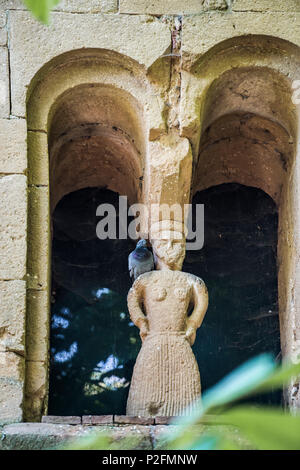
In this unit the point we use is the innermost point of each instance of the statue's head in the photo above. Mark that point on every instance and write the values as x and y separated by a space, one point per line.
169 253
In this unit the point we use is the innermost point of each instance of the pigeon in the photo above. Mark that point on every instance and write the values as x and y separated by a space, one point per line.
140 260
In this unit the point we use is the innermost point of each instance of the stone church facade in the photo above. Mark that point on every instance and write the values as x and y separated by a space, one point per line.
186 95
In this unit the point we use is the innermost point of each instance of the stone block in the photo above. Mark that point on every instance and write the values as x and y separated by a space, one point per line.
36 390
3 37
215 4
61 419
126 437
2 17
201 33
11 399
12 4
37 325
38 436
109 6
124 419
13 149
72 6
33 44
12 316
97 420
84 6
13 226
12 366
4 84
163 419
87 6
170 7
38 263
38 158
170 171
162 434
265 5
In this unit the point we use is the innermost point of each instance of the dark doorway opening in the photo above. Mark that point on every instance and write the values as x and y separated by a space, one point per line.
238 265
93 342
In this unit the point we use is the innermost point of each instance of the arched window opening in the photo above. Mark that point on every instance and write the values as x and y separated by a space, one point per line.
96 152
248 138
93 343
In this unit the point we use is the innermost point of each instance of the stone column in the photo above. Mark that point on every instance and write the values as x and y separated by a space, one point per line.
289 276
167 189
13 224
166 379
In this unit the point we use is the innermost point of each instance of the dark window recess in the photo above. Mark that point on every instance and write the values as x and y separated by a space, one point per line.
93 342
238 265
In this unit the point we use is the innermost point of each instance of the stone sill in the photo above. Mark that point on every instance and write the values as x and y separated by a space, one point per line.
92 420
49 436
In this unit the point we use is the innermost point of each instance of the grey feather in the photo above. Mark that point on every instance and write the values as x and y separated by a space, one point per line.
140 260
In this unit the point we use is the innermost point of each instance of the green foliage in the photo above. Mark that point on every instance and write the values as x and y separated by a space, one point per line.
41 8
262 428
266 428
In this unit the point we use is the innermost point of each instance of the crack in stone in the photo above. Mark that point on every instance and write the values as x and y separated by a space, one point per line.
174 92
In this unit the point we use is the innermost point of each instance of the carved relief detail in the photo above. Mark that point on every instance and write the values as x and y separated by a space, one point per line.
166 377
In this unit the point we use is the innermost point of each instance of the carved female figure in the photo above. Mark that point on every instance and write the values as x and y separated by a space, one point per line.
166 377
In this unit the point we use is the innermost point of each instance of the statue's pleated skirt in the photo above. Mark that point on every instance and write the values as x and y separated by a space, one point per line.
166 378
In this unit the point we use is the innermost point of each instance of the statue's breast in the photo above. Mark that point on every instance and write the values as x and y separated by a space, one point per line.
180 293
167 285
159 293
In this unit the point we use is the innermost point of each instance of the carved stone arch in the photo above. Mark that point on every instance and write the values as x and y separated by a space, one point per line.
251 51
244 128
90 115
93 66
96 137
248 131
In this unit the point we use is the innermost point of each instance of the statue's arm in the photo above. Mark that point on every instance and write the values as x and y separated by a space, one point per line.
200 300
134 301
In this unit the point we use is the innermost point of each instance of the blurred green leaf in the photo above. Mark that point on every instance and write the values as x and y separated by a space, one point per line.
266 428
263 428
190 439
281 376
41 8
255 376
185 437
207 443
238 384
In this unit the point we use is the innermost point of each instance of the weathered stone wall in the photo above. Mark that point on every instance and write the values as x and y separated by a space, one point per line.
166 55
